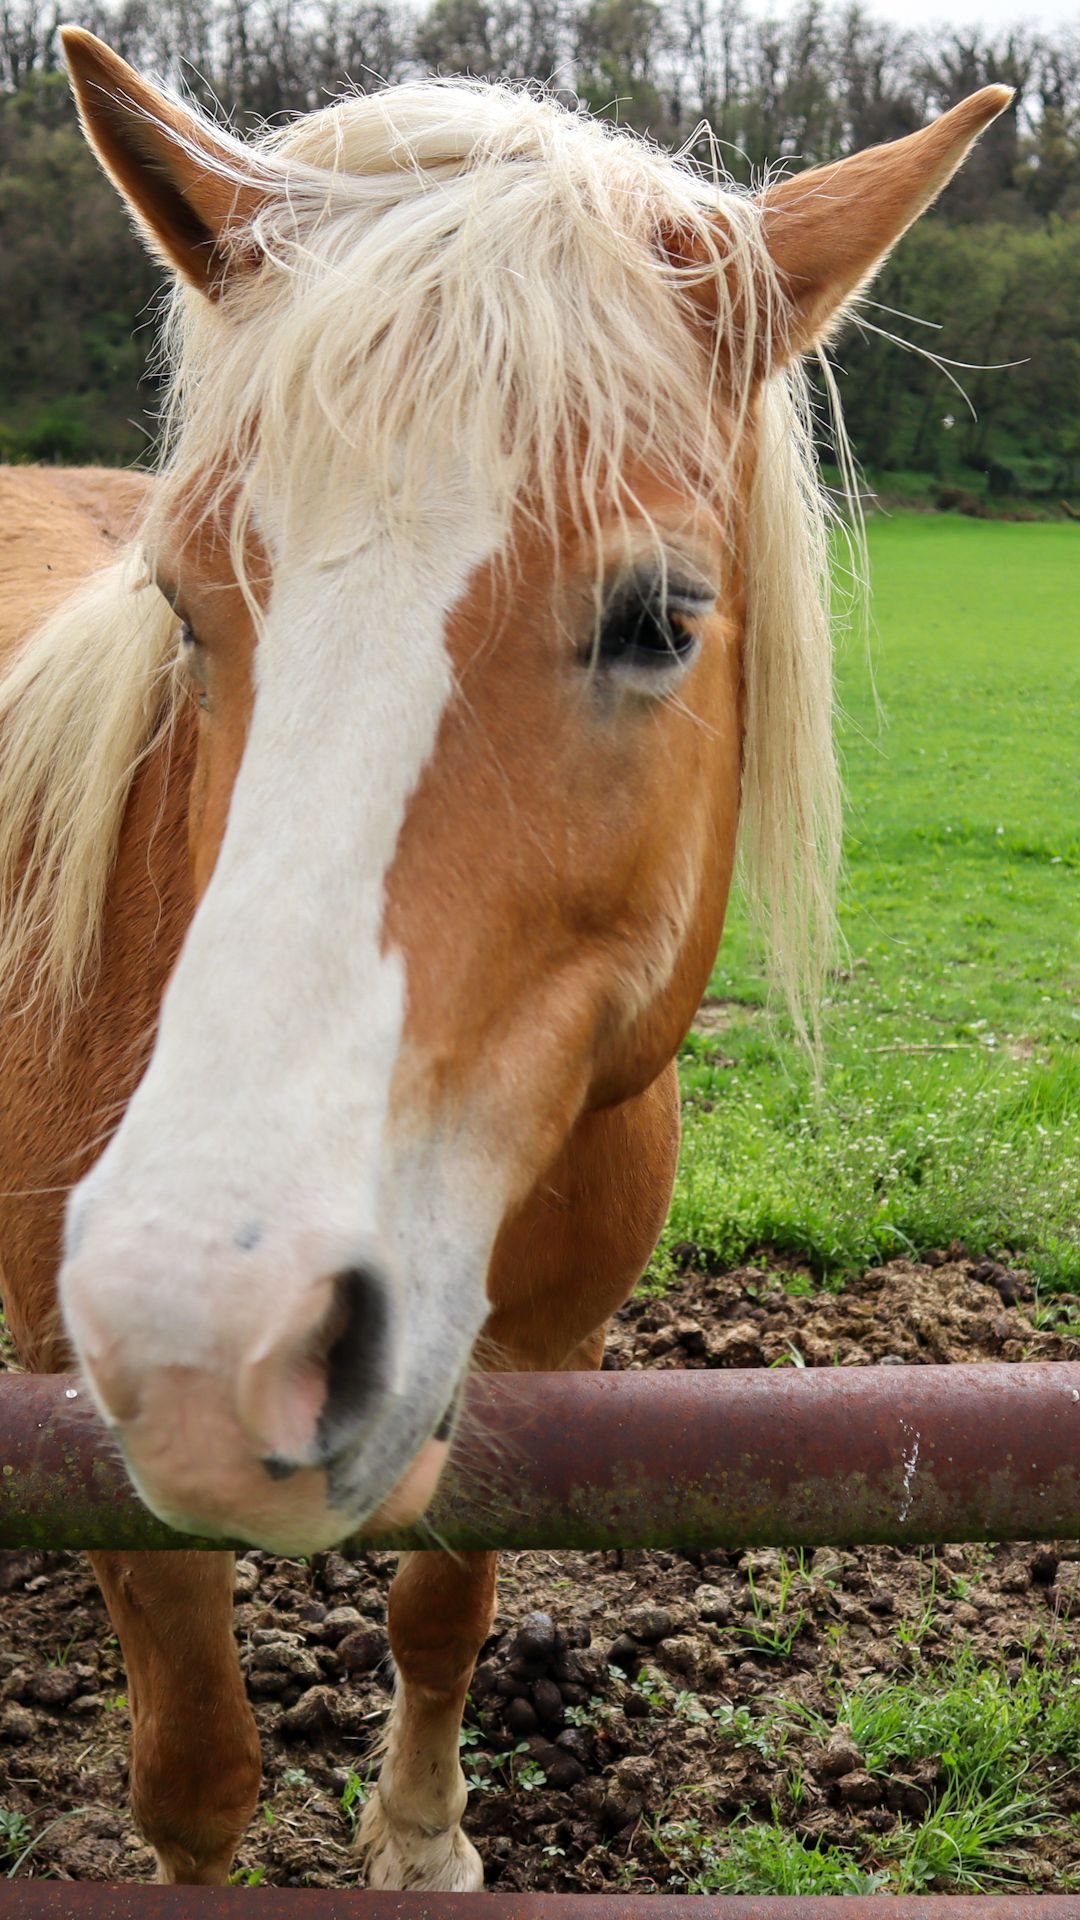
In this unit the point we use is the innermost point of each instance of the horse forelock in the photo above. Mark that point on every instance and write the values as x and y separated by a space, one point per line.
468 284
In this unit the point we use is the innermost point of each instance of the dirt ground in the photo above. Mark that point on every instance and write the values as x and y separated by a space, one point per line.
617 1690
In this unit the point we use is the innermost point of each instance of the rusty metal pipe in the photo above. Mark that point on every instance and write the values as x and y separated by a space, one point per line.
679 1460
43 1900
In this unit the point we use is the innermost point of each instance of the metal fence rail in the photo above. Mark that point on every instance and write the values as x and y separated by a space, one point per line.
680 1460
50 1901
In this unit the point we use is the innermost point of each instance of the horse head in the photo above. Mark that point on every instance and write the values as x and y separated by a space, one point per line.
488 523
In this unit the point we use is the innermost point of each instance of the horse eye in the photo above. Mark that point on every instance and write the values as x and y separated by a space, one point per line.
194 662
648 629
650 626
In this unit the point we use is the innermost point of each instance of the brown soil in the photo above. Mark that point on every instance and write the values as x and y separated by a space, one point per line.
650 1654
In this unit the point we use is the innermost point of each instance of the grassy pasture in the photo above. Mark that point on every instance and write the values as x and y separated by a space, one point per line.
950 1107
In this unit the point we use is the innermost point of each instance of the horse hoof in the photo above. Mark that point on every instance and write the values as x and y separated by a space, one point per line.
407 1857
179 1868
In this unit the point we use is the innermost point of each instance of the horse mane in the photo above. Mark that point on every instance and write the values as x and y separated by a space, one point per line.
460 281
83 701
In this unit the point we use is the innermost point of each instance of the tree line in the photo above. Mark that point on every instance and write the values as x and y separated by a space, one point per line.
997 265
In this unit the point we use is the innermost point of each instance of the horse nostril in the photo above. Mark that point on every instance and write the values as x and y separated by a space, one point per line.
356 1355
279 1469
317 1373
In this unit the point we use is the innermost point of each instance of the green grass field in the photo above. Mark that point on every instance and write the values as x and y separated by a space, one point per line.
950 1107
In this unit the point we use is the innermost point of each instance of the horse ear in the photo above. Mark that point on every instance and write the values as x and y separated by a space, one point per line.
188 188
828 230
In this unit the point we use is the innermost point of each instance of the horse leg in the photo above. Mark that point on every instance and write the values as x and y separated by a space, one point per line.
441 1609
570 1258
440 1614
195 1762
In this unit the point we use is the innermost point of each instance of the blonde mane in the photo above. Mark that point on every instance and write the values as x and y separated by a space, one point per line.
460 283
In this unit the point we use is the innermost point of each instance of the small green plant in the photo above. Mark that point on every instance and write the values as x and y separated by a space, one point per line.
741 1727
912 1633
587 1716
1054 1316
247 1877
516 1767
760 1858
791 1356
354 1795
478 1778
801 1286
769 1630
14 1832
16 1843
652 1687
662 1698
529 1776
687 1706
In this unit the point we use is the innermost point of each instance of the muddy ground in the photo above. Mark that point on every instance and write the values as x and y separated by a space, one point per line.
638 1695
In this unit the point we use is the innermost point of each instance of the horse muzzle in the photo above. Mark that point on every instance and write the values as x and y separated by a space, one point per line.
307 1437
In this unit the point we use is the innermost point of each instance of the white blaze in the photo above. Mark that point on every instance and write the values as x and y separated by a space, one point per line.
252 1160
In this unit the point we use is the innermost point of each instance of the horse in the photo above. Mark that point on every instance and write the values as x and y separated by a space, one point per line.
370 779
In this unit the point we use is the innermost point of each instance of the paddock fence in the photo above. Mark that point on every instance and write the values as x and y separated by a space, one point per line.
679 1460
47 1901
676 1460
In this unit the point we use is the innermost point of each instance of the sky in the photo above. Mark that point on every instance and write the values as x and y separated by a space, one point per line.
989 14
975 13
